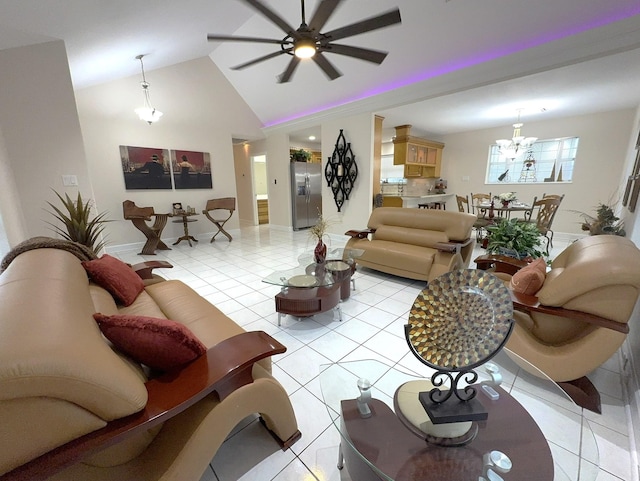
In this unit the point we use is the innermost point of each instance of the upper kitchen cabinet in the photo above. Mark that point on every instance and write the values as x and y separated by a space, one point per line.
424 156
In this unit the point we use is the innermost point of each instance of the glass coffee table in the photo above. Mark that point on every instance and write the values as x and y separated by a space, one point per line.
312 288
377 445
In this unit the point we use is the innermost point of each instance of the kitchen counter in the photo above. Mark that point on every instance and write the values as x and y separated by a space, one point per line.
414 200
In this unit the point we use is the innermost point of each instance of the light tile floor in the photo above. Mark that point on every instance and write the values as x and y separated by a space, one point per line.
229 275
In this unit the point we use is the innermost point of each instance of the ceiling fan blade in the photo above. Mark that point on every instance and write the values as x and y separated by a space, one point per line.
375 56
386 19
231 38
326 66
288 73
260 59
322 14
274 17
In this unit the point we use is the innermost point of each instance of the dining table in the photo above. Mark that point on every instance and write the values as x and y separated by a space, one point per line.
491 209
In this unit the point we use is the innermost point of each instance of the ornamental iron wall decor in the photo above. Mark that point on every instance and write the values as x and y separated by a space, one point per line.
341 170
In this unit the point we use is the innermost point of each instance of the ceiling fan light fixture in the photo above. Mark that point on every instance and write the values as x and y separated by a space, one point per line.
305 48
147 112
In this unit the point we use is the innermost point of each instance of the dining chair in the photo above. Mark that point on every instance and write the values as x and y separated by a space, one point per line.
463 203
547 209
527 214
476 200
481 222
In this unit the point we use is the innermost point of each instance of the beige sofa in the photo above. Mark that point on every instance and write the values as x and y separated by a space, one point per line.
64 386
419 244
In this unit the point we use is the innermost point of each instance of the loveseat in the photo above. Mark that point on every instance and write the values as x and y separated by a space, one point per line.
73 406
419 244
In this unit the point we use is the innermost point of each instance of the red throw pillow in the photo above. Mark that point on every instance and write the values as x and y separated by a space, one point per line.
158 343
529 279
115 276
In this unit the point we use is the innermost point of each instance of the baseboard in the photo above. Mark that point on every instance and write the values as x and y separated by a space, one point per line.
137 246
631 392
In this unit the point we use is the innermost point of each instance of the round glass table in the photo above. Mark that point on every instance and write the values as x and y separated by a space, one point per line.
312 287
377 445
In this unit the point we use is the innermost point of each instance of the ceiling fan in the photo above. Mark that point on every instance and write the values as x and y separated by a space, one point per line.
307 42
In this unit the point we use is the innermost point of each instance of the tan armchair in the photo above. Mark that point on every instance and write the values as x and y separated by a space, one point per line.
578 319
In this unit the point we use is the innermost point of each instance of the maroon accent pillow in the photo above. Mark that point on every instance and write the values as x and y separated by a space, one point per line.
529 279
158 343
115 276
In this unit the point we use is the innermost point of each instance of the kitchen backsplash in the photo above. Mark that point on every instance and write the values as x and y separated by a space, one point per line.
397 186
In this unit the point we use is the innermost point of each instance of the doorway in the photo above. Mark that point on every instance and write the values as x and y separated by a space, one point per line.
259 165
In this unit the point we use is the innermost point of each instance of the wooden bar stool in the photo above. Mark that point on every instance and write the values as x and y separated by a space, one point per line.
224 203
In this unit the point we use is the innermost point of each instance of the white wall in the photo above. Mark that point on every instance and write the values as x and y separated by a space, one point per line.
631 348
602 153
42 137
202 112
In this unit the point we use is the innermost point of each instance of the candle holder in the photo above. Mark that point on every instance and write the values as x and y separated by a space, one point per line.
341 171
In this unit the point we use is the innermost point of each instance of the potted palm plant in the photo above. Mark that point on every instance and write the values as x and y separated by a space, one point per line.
78 225
515 238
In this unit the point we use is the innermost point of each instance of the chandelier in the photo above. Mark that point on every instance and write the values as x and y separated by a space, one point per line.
147 112
518 144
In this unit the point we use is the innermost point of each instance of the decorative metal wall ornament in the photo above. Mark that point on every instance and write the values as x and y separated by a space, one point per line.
341 171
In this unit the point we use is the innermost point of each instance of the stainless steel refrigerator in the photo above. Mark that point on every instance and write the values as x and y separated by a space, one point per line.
306 196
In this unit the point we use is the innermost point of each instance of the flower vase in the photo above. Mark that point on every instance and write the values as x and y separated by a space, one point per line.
320 252
505 203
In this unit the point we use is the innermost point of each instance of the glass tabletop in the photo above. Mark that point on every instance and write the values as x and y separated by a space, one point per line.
341 385
310 274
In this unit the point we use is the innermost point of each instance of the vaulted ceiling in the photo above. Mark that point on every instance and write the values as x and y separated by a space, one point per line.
453 65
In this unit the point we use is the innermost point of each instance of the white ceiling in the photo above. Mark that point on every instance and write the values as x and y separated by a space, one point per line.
452 65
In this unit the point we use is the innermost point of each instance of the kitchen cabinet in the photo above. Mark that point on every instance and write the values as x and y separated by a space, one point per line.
421 157
414 170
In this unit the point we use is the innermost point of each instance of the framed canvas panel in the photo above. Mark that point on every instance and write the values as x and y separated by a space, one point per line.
191 170
145 167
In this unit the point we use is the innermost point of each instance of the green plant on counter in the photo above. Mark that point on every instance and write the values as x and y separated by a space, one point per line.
78 227
515 238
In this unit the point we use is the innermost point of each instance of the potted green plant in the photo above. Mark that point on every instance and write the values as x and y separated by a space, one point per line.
605 222
78 226
515 238
300 155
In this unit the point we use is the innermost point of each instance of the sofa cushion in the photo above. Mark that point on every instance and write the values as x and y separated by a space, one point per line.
530 279
116 277
158 343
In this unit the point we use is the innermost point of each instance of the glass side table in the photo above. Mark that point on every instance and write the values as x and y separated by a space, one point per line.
376 445
311 288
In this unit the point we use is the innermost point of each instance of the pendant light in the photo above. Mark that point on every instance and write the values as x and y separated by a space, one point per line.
147 112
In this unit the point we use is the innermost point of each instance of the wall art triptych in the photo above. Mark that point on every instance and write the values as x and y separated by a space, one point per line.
153 168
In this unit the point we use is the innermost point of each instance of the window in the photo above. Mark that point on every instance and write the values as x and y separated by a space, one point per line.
545 161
